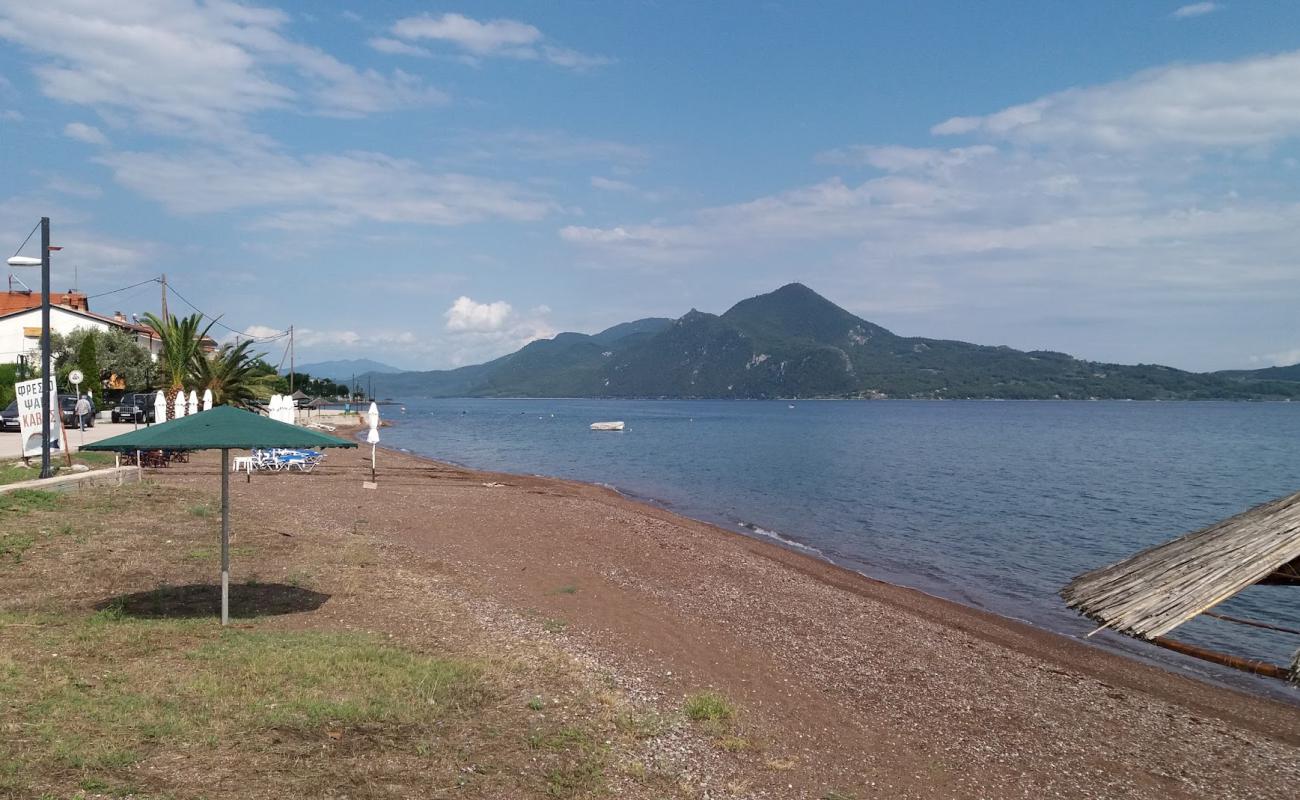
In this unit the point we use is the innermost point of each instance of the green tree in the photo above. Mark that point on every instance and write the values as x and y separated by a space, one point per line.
233 375
182 350
122 356
116 353
8 377
88 363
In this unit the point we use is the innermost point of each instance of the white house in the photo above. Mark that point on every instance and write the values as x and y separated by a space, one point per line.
20 330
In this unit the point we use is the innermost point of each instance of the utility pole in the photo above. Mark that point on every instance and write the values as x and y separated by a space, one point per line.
163 281
46 371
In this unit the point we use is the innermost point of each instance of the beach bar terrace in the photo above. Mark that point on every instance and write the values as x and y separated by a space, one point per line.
1153 592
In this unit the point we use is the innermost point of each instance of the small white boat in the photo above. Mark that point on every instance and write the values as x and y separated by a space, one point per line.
607 426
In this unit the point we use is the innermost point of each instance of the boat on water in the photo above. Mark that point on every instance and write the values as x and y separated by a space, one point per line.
607 426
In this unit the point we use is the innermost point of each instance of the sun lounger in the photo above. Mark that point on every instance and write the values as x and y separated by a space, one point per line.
282 460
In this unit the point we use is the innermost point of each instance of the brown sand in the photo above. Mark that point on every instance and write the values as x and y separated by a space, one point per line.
848 687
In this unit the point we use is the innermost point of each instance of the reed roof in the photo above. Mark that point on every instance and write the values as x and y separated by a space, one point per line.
1155 591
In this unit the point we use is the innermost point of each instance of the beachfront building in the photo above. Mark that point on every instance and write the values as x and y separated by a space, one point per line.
20 324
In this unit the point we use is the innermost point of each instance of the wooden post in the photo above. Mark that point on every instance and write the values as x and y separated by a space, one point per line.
225 536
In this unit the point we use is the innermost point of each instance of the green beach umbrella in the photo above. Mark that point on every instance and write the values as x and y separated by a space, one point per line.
223 428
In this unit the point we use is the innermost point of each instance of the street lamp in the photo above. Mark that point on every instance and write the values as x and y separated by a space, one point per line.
46 373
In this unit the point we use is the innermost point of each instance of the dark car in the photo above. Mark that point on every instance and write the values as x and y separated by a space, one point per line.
9 418
134 408
68 411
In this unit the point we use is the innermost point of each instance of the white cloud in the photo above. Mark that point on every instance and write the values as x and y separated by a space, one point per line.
1195 10
260 332
611 185
550 146
314 192
467 316
482 38
84 133
481 331
335 339
181 67
895 158
393 47
1285 358
1235 104
497 38
71 187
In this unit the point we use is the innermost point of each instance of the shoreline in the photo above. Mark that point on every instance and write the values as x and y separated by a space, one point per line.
1105 660
1129 650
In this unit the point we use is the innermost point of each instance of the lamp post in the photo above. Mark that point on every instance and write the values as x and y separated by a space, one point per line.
46 373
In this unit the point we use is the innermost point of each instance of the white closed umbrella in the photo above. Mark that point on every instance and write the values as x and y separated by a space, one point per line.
192 406
160 407
207 399
372 438
180 404
273 407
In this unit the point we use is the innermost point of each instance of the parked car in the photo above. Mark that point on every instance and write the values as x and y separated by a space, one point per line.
68 411
134 407
9 418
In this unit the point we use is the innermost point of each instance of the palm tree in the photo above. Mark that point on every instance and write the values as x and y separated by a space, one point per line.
232 375
182 345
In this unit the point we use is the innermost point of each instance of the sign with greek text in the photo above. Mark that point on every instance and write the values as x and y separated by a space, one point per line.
29 417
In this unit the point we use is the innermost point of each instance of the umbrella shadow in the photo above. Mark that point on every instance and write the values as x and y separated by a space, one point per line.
247 600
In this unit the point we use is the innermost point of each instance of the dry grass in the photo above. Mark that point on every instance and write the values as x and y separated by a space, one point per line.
115 679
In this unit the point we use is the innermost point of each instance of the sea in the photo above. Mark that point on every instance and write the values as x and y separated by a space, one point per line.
993 504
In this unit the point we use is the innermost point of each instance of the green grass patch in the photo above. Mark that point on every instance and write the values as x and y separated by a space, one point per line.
579 761
203 511
21 501
709 706
554 625
566 589
13 545
303 681
15 474
94 460
120 689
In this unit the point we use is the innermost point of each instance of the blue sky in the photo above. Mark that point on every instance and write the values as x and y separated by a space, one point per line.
433 185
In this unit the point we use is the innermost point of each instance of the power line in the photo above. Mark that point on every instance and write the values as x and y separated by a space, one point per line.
216 321
28 239
123 289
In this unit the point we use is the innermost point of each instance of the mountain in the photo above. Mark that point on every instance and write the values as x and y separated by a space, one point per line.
795 343
1291 374
343 370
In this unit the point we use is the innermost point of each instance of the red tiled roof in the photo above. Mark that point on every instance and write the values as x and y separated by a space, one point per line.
17 301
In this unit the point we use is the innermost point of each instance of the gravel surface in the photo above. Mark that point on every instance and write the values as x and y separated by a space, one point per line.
845 687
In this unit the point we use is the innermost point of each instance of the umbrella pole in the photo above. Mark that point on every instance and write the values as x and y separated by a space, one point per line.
225 537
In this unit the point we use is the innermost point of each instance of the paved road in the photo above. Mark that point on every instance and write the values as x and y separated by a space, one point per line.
9 444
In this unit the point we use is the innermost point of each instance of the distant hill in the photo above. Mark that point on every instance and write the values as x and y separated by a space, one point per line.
1291 373
795 343
343 370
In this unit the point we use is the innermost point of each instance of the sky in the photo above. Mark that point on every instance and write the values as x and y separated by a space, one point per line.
434 185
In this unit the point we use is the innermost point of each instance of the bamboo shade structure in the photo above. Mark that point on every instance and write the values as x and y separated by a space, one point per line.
1155 591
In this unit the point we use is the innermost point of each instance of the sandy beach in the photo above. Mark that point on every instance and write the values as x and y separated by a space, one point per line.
841 681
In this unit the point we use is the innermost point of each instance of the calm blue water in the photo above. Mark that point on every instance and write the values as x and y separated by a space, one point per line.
994 504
